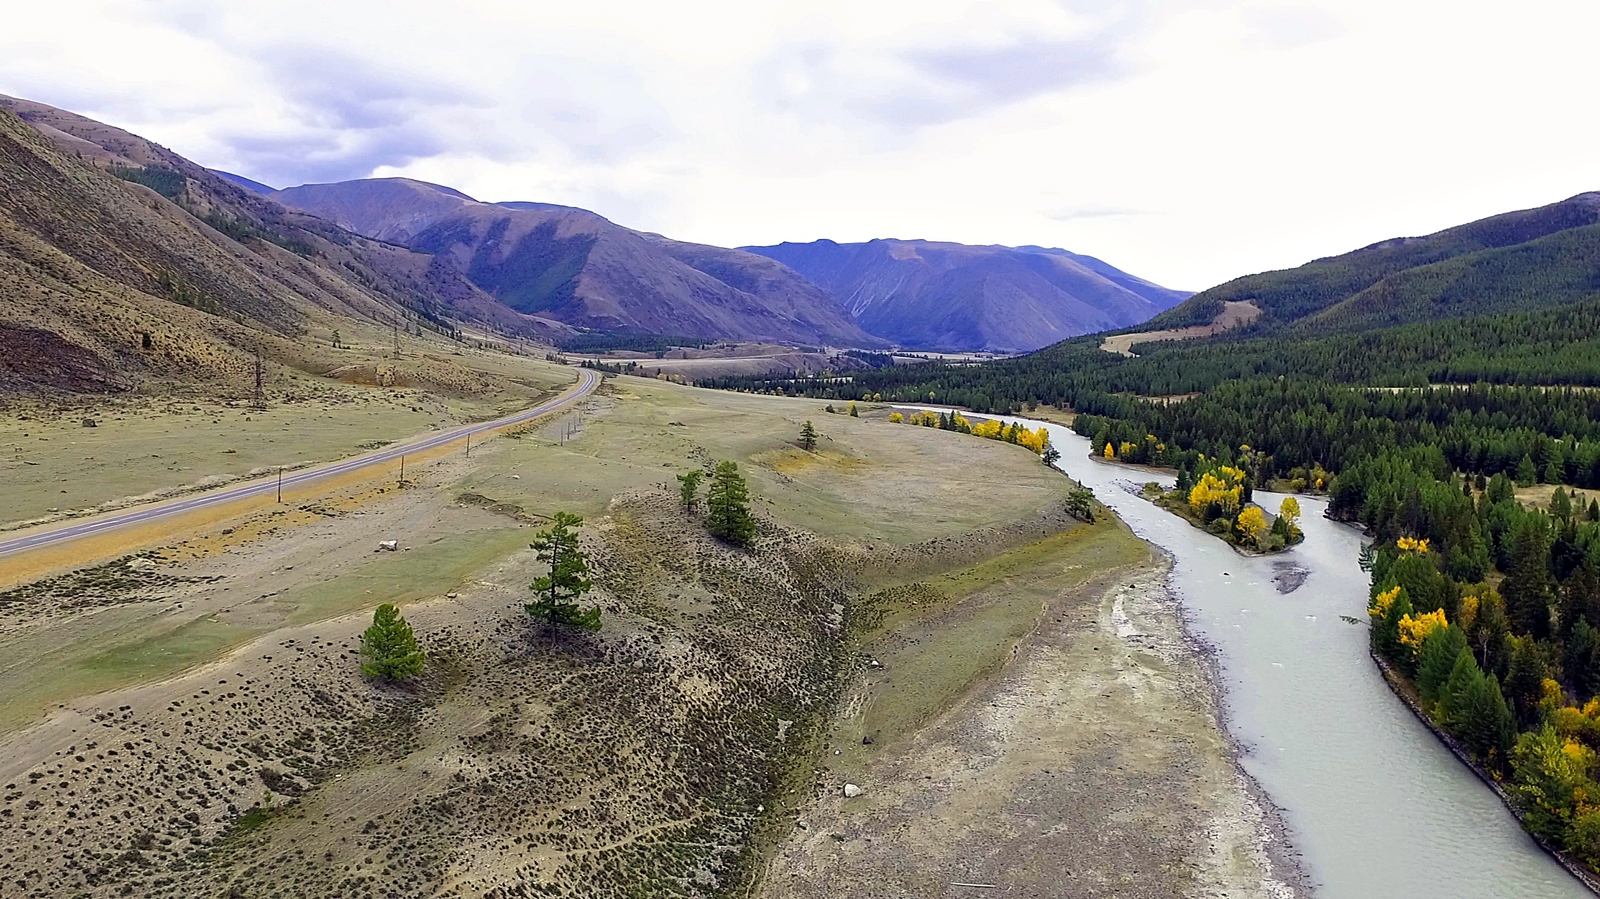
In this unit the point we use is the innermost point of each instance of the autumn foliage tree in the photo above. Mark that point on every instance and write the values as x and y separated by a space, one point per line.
1252 525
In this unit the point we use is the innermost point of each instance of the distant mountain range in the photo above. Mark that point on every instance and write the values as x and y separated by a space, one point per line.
950 296
582 269
108 238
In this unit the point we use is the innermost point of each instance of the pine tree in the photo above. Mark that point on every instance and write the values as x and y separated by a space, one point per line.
1560 504
728 506
1440 650
1080 504
1500 487
389 647
558 592
1594 510
689 487
854 413
1385 631
1525 678
1527 584
1483 722
808 435
1580 658
1527 474
1580 595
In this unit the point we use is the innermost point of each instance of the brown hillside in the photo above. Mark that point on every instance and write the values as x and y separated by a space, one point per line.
106 284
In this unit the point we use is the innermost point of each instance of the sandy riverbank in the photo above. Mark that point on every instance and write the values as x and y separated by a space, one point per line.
1093 763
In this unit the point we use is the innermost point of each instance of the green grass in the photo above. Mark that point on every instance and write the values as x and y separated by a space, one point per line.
184 646
944 636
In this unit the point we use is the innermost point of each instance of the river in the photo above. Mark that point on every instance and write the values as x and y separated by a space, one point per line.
1376 806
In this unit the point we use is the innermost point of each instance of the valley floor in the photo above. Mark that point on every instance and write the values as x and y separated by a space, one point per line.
191 721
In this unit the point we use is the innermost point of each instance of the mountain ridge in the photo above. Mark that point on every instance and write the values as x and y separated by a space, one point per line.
583 269
942 295
1514 261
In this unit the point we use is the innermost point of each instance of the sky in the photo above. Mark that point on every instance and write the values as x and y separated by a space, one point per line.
1185 142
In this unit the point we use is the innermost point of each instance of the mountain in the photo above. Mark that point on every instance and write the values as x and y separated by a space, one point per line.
244 182
949 296
582 269
1514 262
124 263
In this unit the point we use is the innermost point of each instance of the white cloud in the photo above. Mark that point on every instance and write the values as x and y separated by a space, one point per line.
1188 142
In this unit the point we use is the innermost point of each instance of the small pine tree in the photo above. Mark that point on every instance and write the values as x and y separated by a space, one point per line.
1579 660
1560 504
854 413
689 488
829 409
1080 504
1440 649
808 437
389 647
1050 456
1594 510
559 591
1527 474
728 506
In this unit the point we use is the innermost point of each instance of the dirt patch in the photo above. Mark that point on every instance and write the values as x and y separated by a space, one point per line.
1234 314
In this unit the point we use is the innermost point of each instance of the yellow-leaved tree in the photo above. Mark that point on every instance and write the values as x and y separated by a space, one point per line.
1253 524
1214 497
1289 511
1414 630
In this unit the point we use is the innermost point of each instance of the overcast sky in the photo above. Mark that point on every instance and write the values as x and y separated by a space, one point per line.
1186 142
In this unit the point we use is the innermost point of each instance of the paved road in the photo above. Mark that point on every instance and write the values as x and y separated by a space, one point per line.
587 380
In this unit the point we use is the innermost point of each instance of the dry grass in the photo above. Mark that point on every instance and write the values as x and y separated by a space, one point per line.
653 754
1233 314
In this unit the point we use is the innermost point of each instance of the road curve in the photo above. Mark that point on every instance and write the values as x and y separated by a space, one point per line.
587 381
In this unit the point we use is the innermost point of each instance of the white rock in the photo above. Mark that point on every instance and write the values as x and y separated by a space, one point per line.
390 545
851 791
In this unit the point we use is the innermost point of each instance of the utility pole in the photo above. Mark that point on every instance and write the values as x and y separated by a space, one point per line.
402 471
397 340
280 483
469 444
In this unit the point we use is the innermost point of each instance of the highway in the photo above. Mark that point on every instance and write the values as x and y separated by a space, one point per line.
587 381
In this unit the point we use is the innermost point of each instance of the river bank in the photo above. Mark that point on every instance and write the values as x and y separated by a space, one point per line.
1092 761
1406 691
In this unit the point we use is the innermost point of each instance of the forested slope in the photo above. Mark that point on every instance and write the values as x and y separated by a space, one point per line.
1502 263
